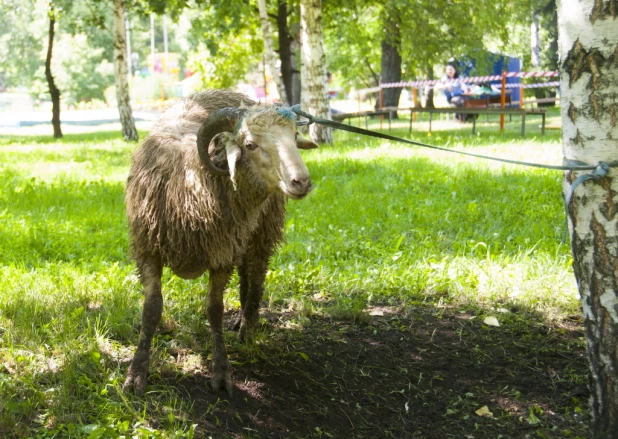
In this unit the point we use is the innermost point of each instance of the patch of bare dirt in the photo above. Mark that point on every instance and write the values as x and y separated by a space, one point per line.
424 375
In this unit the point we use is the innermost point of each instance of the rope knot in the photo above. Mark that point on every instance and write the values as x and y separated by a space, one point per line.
599 172
310 118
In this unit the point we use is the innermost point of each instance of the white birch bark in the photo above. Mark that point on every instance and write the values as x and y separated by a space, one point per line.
535 43
121 73
314 92
589 100
269 51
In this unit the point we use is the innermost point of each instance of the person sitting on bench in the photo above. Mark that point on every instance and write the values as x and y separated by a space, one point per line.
453 90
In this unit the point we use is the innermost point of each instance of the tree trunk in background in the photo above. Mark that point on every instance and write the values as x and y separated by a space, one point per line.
429 90
391 64
121 73
269 51
589 91
285 52
535 44
552 32
296 61
314 93
53 90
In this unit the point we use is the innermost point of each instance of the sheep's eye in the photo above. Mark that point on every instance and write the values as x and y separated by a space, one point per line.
251 146
296 136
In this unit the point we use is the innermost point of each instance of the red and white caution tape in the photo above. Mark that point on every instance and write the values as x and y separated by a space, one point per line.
536 85
472 79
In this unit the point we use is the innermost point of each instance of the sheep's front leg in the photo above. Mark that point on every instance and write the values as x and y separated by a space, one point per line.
150 271
252 275
221 370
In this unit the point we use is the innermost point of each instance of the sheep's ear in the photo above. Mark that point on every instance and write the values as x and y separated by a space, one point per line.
234 153
302 143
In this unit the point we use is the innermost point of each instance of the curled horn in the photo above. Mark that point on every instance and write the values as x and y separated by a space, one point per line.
220 121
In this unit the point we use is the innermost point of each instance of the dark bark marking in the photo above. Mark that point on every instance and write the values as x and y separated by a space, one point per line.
578 139
595 60
579 61
574 62
604 264
572 113
613 116
578 248
610 206
594 103
613 58
597 10
602 258
603 9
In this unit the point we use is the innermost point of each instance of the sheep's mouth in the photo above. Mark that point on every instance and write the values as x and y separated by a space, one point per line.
295 195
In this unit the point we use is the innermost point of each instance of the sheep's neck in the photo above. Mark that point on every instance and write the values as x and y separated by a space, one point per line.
248 195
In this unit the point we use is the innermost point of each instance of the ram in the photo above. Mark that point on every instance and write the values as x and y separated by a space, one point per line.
206 192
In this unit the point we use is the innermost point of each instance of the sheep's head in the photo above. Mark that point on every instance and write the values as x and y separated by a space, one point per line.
266 140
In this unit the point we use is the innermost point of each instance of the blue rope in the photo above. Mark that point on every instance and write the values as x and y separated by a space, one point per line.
340 126
600 170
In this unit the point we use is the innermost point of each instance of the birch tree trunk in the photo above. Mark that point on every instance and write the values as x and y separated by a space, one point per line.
314 93
53 90
121 73
588 33
535 43
269 51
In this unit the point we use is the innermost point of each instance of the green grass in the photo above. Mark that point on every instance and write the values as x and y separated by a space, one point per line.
386 224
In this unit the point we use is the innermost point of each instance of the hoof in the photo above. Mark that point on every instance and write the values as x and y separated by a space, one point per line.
137 376
136 380
222 380
247 333
236 324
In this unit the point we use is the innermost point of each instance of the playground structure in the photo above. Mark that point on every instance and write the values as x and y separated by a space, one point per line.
497 103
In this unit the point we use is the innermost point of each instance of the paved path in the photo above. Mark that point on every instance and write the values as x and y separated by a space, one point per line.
72 121
15 119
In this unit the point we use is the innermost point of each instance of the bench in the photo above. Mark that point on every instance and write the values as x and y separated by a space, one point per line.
388 111
487 101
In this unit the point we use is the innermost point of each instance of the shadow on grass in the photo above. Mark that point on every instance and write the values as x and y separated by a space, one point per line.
424 374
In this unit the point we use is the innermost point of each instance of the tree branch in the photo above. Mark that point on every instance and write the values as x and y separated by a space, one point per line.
376 77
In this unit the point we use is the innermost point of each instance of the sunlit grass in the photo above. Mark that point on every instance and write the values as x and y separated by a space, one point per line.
386 224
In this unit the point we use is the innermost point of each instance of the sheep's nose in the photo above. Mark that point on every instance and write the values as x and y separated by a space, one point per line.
301 184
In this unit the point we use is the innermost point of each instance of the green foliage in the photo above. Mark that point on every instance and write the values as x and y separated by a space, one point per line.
228 42
22 34
352 43
431 32
80 71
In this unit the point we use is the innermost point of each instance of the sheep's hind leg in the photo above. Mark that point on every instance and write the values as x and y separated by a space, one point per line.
221 370
150 275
